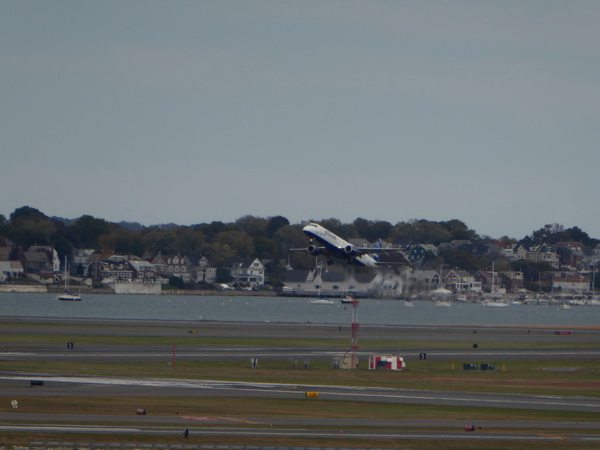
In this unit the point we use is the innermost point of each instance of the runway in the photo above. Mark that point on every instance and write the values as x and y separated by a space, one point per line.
116 386
334 434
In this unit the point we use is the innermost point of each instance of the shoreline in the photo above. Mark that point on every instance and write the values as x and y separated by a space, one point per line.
54 289
185 323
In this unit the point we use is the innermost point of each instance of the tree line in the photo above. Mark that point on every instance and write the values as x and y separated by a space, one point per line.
268 239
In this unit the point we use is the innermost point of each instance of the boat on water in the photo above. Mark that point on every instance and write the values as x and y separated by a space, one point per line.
348 299
68 296
497 303
321 301
442 297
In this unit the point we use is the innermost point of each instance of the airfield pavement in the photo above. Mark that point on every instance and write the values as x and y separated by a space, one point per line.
421 339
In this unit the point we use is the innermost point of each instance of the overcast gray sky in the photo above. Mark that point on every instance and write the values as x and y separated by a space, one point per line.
194 111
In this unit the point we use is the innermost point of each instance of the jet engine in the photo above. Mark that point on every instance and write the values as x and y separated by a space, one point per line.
350 250
313 249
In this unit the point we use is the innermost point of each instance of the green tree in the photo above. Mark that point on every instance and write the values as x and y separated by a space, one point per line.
211 230
291 237
122 242
224 275
532 272
157 240
253 226
265 248
420 232
28 213
86 230
176 282
459 231
275 273
275 223
3 223
220 254
29 226
190 241
553 233
238 241
372 230
345 231
460 259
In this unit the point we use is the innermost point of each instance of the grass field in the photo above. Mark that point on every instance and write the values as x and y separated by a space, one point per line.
550 377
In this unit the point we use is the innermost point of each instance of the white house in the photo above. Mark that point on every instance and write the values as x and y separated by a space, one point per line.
9 270
248 272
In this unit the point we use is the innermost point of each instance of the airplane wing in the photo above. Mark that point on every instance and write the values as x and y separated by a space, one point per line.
377 250
311 249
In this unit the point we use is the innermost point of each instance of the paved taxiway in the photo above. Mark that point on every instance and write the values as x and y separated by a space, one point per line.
115 386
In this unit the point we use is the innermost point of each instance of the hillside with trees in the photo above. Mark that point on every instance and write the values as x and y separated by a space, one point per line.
269 239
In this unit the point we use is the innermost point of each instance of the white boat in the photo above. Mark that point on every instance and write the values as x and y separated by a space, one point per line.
442 297
321 301
348 299
68 296
497 303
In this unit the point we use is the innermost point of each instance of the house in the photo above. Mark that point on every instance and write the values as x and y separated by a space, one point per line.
574 256
40 259
416 253
489 280
460 281
424 280
143 270
248 272
569 282
173 265
295 282
519 252
120 268
6 253
512 281
330 282
11 270
502 281
475 249
81 259
542 254
204 273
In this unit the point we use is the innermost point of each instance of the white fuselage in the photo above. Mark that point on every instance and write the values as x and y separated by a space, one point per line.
338 247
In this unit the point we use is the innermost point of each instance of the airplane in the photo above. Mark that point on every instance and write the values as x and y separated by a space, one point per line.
334 246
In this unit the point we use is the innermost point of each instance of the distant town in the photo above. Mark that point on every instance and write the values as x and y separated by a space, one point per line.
251 255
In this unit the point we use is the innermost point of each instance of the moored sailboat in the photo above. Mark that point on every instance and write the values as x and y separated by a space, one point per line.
68 296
